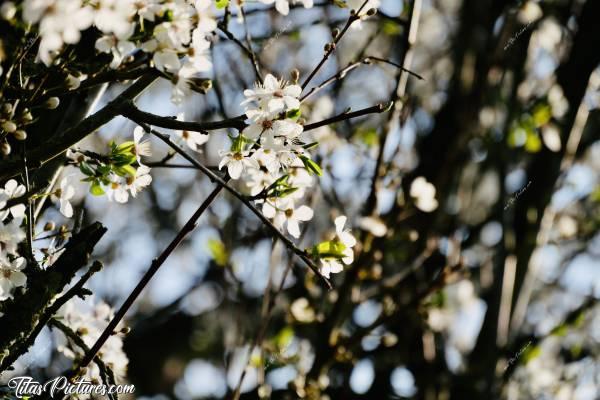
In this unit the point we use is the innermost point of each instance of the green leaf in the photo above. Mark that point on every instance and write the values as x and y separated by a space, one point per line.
329 249
218 252
311 166
533 144
293 114
309 146
96 189
541 114
86 169
368 136
284 338
124 170
221 3
340 3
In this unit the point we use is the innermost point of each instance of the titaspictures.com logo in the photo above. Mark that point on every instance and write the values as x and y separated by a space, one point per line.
26 386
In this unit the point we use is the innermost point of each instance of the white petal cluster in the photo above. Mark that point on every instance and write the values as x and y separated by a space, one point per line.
333 265
11 234
89 321
175 32
269 148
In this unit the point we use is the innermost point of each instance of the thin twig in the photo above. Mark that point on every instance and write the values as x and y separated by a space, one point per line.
154 267
353 18
342 73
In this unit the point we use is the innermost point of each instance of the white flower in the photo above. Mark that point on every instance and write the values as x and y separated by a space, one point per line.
11 276
283 212
284 127
330 266
274 95
11 235
141 179
62 197
424 194
60 21
346 238
89 320
119 48
147 9
12 190
192 139
142 148
117 190
198 52
237 162
120 188
206 22
114 16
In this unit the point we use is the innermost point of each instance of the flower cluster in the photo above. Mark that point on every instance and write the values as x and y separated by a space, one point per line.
11 234
88 322
271 157
118 174
174 33
13 122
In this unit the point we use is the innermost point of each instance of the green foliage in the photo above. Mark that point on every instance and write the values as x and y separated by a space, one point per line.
328 249
221 3
218 252
311 166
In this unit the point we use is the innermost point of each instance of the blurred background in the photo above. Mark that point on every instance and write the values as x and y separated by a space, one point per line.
485 288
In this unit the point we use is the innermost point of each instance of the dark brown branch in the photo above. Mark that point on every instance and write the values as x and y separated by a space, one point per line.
378 109
129 110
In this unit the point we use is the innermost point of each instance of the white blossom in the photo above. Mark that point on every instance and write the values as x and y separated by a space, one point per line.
60 21
192 139
62 196
88 321
11 275
141 147
284 213
118 48
12 190
273 96
237 162
11 235
333 265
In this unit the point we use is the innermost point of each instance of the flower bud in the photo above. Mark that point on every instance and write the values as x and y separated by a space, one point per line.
6 108
371 12
73 82
125 330
20 134
5 148
328 47
9 126
335 32
8 10
200 85
50 226
295 75
52 103
26 115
